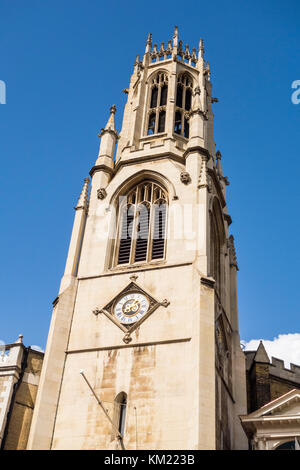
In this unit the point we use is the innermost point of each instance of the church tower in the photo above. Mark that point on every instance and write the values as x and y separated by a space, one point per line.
143 350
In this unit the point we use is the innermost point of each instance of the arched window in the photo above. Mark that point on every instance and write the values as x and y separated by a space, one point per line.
142 225
120 407
158 103
183 104
290 445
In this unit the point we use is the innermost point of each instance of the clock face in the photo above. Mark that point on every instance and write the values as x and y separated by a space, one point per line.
131 308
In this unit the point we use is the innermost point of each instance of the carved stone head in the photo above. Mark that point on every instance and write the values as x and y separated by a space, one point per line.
185 177
101 193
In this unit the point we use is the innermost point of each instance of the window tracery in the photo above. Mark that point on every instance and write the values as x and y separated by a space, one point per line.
142 225
158 104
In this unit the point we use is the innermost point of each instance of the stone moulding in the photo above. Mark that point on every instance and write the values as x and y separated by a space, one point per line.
105 168
133 345
208 282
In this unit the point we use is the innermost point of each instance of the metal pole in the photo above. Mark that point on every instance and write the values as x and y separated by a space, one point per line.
101 404
136 430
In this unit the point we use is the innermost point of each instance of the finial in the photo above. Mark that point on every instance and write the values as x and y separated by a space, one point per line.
194 57
137 59
218 155
201 47
175 37
187 51
20 339
162 49
83 198
109 136
110 126
201 62
148 43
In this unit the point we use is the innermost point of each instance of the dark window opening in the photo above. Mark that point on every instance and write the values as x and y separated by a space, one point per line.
123 406
154 97
120 412
177 126
161 121
291 445
151 125
179 96
188 99
163 95
186 128
184 102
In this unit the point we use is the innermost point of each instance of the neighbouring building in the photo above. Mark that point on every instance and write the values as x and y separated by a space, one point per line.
20 369
273 396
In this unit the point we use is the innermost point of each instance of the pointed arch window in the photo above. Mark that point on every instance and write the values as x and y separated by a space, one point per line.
183 104
119 419
142 225
158 103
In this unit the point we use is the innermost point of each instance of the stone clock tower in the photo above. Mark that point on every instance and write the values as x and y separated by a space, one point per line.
143 349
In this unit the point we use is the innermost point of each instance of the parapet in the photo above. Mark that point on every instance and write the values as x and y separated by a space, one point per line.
278 370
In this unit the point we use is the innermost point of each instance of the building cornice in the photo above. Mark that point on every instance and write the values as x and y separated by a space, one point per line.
104 168
161 156
196 148
133 269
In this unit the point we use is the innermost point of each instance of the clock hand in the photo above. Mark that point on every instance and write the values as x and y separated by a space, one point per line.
134 304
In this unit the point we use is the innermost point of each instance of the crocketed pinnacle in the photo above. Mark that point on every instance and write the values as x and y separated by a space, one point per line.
203 177
111 121
148 43
83 198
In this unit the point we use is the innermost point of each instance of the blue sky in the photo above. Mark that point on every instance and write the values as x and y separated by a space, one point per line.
66 62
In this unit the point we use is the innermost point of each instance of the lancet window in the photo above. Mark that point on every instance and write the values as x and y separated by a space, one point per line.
158 104
183 104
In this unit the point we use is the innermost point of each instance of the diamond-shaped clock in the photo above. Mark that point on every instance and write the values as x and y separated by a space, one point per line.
130 308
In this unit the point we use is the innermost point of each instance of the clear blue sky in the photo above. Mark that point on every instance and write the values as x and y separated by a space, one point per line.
65 63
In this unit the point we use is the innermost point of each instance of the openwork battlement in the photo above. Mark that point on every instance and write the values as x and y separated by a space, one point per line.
176 51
